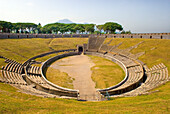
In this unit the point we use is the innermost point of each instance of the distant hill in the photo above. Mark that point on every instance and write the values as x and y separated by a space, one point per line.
66 21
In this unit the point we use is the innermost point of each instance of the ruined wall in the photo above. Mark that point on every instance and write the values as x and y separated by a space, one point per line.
140 35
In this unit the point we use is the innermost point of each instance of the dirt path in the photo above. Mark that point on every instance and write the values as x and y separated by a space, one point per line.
78 67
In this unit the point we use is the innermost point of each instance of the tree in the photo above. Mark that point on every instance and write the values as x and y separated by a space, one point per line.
71 28
6 26
126 32
123 32
111 27
39 28
100 27
1 27
24 27
79 28
89 28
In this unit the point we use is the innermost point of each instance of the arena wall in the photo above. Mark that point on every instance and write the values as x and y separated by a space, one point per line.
140 35
115 61
48 62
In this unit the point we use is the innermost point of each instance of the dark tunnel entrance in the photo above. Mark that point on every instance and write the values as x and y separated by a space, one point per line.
80 49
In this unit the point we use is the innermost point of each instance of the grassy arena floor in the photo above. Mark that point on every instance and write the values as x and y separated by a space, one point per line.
106 73
12 101
60 78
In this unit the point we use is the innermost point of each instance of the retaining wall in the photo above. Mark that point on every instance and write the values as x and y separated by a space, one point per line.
45 54
141 35
48 62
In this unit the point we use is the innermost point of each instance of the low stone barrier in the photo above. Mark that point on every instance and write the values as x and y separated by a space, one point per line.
40 36
58 36
45 54
109 57
67 36
13 36
144 36
84 35
140 35
49 36
23 36
48 62
75 35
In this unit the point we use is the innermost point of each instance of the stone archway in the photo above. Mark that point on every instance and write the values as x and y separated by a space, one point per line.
80 49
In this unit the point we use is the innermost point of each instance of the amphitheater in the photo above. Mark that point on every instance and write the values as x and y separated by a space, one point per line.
138 79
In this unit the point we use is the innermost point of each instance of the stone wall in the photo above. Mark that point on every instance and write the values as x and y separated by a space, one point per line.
140 35
48 62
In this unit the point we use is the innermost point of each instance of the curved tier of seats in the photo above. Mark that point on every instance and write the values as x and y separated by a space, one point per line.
95 43
13 66
28 77
156 76
12 77
40 84
33 70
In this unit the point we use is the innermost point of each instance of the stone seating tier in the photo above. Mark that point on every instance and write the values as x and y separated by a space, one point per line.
34 70
156 76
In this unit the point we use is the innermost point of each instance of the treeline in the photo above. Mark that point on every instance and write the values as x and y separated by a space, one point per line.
68 28
60 28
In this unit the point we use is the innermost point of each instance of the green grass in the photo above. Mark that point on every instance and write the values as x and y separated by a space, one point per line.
12 101
105 73
23 49
157 50
59 78
49 56
67 43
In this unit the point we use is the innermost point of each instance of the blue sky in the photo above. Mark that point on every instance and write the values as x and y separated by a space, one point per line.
139 16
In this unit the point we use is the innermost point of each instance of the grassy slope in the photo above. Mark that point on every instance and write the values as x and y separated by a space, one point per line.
14 102
157 50
105 73
11 101
21 50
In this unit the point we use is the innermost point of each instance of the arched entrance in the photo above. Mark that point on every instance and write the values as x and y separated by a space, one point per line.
80 49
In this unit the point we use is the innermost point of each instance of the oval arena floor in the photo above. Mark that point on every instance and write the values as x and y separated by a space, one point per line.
78 67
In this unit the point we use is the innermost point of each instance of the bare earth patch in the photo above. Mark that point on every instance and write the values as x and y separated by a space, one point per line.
78 67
